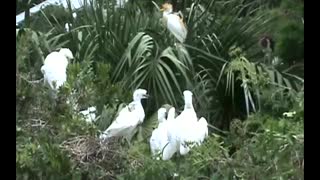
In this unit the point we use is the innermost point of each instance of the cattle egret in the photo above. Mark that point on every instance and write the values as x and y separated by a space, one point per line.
174 22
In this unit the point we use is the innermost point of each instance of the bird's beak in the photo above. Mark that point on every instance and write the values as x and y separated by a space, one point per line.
146 96
161 10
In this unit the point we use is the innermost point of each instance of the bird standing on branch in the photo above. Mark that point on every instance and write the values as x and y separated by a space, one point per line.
174 22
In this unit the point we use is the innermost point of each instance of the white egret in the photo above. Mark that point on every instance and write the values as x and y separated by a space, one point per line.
128 119
55 68
174 22
173 136
185 129
186 122
202 129
159 136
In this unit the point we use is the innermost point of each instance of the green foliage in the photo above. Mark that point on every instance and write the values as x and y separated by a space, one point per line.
252 149
288 31
119 49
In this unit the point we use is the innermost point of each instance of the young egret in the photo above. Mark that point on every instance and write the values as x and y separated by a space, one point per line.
174 22
55 68
202 130
159 137
173 136
186 122
128 119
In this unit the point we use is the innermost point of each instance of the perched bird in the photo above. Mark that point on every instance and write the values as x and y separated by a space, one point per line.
55 68
174 22
128 119
184 131
186 121
194 137
202 130
172 134
159 136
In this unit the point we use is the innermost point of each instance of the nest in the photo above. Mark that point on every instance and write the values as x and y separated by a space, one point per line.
89 151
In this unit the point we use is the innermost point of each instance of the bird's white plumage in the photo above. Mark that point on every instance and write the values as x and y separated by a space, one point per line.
174 23
173 136
128 119
159 138
55 67
187 122
202 129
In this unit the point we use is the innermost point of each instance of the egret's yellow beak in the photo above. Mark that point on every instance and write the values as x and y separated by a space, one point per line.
161 9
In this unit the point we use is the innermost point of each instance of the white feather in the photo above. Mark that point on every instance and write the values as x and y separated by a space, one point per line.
54 69
128 118
174 24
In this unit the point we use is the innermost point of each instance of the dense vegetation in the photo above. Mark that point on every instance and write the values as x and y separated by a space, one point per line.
243 60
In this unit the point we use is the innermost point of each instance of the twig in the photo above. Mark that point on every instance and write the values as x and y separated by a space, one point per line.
215 128
31 82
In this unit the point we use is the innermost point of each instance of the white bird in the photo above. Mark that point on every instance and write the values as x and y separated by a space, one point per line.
159 138
89 114
202 130
184 129
55 68
195 137
128 119
174 22
173 136
186 122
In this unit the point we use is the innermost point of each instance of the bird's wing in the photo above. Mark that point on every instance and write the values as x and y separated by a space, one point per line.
55 76
125 122
118 129
56 60
154 143
169 150
177 27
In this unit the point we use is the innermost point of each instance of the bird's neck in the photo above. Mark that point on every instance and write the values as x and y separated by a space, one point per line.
166 13
136 100
188 106
162 120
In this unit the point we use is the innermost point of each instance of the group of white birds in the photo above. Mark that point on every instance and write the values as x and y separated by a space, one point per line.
178 134
173 134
